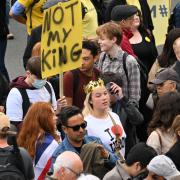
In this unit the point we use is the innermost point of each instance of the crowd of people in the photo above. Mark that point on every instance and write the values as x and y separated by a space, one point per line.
119 116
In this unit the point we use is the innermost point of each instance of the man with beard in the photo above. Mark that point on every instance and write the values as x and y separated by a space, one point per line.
96 159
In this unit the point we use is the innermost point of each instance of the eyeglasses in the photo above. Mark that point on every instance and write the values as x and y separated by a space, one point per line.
77 174
77 127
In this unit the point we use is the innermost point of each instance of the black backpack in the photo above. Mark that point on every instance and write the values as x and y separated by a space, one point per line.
142 69
11 163
26 103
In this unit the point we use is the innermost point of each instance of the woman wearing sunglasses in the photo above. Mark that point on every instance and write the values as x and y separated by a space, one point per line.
38 136
101 122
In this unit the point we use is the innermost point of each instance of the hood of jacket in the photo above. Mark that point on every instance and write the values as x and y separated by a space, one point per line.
20 82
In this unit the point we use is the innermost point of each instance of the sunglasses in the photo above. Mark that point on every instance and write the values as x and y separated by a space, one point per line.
77 127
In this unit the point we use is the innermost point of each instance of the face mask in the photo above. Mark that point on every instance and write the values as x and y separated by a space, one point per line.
38 84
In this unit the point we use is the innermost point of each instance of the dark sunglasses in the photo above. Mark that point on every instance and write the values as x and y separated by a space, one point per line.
77 127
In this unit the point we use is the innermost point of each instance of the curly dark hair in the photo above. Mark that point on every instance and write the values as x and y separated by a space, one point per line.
168 107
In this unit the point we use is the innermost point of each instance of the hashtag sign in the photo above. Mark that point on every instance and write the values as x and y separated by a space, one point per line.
163 10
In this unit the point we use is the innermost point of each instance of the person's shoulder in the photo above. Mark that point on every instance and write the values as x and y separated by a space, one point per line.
114 115
131 60
60 149
92 139
24 152
25 156
69 74
113 174
14 92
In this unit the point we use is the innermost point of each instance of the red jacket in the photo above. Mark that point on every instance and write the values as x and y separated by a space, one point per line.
125 44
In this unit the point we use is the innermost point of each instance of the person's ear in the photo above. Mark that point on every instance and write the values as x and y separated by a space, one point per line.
138 166
28 73
173 86
60 172
114 39
90 102
178 133
64 128
96 57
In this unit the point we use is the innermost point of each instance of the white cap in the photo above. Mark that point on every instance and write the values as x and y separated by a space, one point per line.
163 166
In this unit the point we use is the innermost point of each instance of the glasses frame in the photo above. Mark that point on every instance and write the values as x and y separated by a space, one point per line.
74 172
77 127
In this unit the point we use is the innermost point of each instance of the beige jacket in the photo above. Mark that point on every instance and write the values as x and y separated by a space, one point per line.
161 141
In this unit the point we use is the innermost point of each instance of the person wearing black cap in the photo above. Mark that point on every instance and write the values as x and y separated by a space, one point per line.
141 4
123 15
167 80
135 164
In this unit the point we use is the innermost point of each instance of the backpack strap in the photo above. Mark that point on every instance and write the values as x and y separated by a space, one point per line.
125 55
102 60
25 100
160 140
17 156
48 88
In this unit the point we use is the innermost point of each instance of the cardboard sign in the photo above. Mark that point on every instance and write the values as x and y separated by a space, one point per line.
61 41
160 12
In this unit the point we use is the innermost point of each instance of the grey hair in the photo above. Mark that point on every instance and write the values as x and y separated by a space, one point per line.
63 161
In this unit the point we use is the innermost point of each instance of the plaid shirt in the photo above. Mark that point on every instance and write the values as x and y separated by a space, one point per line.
115 65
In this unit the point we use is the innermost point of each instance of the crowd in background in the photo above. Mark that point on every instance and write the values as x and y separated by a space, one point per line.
119 117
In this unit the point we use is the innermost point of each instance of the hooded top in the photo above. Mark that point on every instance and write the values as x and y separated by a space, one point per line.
19 82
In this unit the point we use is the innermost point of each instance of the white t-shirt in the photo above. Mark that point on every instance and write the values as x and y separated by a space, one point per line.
14 101
103 129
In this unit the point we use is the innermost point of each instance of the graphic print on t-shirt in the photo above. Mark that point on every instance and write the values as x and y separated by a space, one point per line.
105 130
111 132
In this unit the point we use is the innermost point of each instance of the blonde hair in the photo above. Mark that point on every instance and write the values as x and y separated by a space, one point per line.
88 109
110 30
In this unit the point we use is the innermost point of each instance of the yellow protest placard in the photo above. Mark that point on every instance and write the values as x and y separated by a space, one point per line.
61 40
160 12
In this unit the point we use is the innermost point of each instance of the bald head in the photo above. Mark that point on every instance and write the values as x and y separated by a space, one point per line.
67 166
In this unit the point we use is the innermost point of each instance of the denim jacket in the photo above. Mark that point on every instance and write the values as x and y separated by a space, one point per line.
66 146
